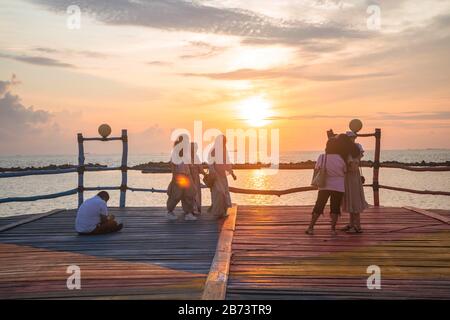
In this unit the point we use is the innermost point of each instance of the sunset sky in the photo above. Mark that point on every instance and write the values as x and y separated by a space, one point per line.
302 66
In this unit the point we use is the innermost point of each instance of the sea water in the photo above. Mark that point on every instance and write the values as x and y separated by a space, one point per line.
250 179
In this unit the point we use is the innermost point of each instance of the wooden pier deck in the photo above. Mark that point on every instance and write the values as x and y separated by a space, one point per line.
274 259
150 258
262 251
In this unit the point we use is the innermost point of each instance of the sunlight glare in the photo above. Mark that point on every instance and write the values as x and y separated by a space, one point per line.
255 110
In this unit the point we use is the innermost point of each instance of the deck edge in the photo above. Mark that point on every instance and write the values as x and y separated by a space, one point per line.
430 214
217 280
30 219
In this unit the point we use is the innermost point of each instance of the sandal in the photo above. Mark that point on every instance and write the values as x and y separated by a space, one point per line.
358 230
354 230
351 230
346 228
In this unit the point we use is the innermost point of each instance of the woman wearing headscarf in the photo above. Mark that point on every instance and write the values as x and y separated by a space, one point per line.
354 200
181 187
219 167
196 169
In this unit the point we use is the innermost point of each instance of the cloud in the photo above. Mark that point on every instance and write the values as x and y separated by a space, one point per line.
46 50
151 139
159 63
322 46
193 16
286 72
37 60
26 130
414 115
312 117
15 118
6 85
14 111
83 53
379 116
345 77
202 50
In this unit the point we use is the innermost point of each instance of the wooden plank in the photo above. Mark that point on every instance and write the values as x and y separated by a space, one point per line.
150 258
30 219
261 254
274 259
216 283
10 219
430 214
230 222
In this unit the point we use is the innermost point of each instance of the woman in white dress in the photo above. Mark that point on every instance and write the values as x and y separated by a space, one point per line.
219 168
354 200
196 168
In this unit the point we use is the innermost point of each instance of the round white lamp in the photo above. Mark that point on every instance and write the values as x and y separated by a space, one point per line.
355 125
104 130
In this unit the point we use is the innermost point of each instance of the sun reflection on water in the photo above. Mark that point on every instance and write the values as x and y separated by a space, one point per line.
258 180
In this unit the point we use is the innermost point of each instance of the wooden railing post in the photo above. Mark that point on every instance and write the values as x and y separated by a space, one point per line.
80 169
376 169
124 168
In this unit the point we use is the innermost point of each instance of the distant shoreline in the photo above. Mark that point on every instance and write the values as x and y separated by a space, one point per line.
168 153
164 167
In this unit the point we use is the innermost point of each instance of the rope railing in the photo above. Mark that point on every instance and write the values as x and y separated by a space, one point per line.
81 168
75 191
24 173
41 197
304 189
416 169
277 193
152 190
434 193
99 188
36 172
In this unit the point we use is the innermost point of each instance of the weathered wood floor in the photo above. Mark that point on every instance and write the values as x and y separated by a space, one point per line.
274 259
150 258
271 257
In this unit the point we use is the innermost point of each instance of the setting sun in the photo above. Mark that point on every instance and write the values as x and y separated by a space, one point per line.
256 111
